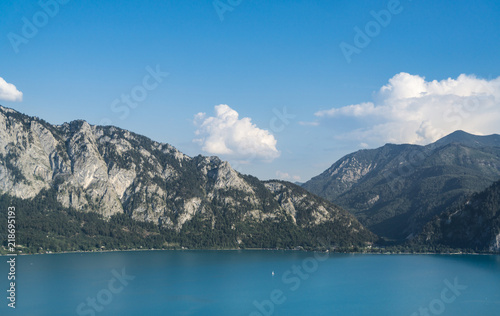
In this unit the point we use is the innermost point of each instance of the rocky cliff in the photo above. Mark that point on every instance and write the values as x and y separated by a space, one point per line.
108 170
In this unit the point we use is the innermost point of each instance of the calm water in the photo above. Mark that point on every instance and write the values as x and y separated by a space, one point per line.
242 283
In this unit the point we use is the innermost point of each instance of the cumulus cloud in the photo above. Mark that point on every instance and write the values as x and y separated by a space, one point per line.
9 92
410 109
227 134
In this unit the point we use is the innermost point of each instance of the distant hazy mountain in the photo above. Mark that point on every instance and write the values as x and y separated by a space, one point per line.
395 189
473 224
110 171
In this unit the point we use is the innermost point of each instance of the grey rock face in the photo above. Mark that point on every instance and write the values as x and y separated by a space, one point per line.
309 211
108 170
495 244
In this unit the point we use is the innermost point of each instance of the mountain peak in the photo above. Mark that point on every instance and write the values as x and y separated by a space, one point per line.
470 140
395 189
111 171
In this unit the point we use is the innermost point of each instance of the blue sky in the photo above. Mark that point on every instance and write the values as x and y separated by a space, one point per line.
260 59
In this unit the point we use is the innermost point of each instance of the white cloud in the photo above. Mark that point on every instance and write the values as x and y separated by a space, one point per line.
286 176
304 123
410 109
226 134
9 92
355 110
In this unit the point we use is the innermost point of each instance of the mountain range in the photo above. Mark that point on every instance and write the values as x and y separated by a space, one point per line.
79 186
200 201
395 190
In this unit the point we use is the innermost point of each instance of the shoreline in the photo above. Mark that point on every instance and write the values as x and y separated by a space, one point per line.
259 249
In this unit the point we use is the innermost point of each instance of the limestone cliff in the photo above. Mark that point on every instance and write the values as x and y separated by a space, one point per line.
109 170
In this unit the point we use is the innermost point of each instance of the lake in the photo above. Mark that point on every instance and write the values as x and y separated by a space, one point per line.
253 283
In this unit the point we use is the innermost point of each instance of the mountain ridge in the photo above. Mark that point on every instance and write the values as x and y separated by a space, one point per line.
395 189
468 139
111 171
473 223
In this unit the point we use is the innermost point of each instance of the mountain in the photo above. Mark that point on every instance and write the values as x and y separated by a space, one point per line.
113 172
395 189
469 140
472 224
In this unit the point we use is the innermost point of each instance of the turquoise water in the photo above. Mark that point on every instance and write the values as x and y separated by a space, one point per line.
242 283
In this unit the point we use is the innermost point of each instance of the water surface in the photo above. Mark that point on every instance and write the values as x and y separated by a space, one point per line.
242 283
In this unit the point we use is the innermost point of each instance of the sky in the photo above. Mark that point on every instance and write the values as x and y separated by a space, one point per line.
280 89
